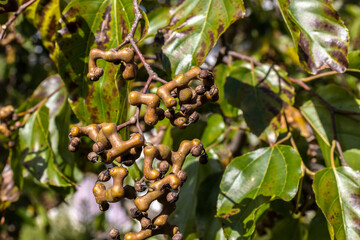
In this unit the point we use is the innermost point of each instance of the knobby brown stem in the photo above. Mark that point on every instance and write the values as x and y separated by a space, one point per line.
152 74
13 18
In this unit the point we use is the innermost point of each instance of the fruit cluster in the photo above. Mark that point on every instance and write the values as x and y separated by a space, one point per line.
8 122
181 96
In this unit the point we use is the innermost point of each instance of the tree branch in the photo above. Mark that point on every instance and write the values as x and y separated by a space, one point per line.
13 18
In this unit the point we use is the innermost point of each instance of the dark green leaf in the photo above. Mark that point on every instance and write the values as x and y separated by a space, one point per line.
318 116
289 228
272 172
185 214
320 36
260 98
318 228
221 72
94 24
337 193
354 64
194 29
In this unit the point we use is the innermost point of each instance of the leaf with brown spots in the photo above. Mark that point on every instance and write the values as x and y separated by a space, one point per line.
95 24
194 29
260 93
44 15
337 193
258 177
320 36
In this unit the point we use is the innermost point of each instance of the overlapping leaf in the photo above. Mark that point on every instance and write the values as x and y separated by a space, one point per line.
94 24
194 29
337 192
347 126
259 92
43 139
321 38
44 15
250 181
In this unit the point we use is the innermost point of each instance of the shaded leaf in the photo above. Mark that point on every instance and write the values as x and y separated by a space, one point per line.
194 29
43 140
94 24
261 99
318 227
185 214
38 156
320 36
274 172
337 193
318 116
221 72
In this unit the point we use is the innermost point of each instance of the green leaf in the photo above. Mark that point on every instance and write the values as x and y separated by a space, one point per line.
43 140
38 156
242 224
271 172
44 15
319 118
318 228
352 158
320 36
185 214
260 98
157 19
337 193
194 29
221 73
94 24
354 63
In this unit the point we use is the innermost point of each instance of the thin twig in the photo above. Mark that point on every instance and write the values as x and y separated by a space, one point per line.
243 57
332 110
13 18
308 79
37 106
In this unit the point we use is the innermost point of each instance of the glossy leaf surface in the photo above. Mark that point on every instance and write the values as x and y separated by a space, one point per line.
94 24
194 29
337 192
271 172
320 36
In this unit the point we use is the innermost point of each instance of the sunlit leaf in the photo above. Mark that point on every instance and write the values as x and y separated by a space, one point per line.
94 24
194 29
337 192
44 15
320 35
272 172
